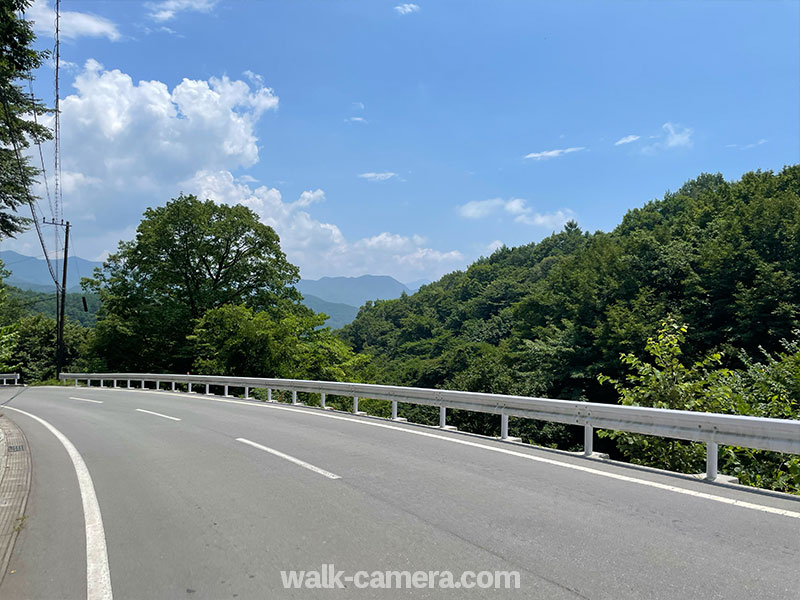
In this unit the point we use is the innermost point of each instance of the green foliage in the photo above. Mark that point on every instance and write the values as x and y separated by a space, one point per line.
667 383
764 389
34 351
28 301
236 340
17 60
188 257
9 338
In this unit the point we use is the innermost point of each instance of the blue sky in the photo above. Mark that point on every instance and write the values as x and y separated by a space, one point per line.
410 139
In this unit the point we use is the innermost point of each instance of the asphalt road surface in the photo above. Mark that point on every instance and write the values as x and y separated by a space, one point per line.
166 495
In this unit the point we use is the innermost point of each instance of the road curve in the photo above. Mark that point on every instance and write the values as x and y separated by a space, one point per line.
205 497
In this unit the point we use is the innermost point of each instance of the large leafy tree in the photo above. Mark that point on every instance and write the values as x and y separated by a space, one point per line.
17 130
188 257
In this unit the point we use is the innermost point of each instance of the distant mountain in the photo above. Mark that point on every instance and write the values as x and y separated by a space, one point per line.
339 314
415 285
337 297
31 273
354 291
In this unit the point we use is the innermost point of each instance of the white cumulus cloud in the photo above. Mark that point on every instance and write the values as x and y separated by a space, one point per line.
545 154
144 134
126 145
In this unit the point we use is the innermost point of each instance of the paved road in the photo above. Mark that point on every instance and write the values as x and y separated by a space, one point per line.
216 504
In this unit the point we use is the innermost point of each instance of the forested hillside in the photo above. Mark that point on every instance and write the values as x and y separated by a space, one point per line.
717 261
547 318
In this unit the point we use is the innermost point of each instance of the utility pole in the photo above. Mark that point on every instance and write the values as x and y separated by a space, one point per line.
61 297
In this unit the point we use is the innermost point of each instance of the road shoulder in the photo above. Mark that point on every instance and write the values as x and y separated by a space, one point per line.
15 485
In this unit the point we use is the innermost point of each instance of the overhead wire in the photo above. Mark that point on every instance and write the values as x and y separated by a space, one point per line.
31 199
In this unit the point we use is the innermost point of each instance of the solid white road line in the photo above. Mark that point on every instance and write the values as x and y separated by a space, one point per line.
150 412
540 459
292 459
98 576
85 400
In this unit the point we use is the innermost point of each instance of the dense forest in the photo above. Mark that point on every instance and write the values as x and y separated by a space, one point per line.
692 302
29 301
709 274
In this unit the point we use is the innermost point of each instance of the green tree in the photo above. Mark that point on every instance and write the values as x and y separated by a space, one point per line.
666 382
188 257
17 61
239 341
34 348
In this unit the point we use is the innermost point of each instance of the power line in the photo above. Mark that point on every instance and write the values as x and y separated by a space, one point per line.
39 144
31 199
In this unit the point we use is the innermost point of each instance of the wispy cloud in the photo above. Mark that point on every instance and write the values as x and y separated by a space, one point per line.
546 154
406 9
477 209
518 208
73 24
377 176
356 120
626 140
760 142
358 105
677 136
674 136
166 10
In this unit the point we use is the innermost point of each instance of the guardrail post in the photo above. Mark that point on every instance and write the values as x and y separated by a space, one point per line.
711 460
101 382
503 427
394 410
76 382
322 399
442 417
269 394
226 389
129 383
143 385
173 386
294 396
208 387
190 387
588 440
355 405
246 392
114 383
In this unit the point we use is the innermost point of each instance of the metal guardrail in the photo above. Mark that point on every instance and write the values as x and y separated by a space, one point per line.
779 435
6 376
